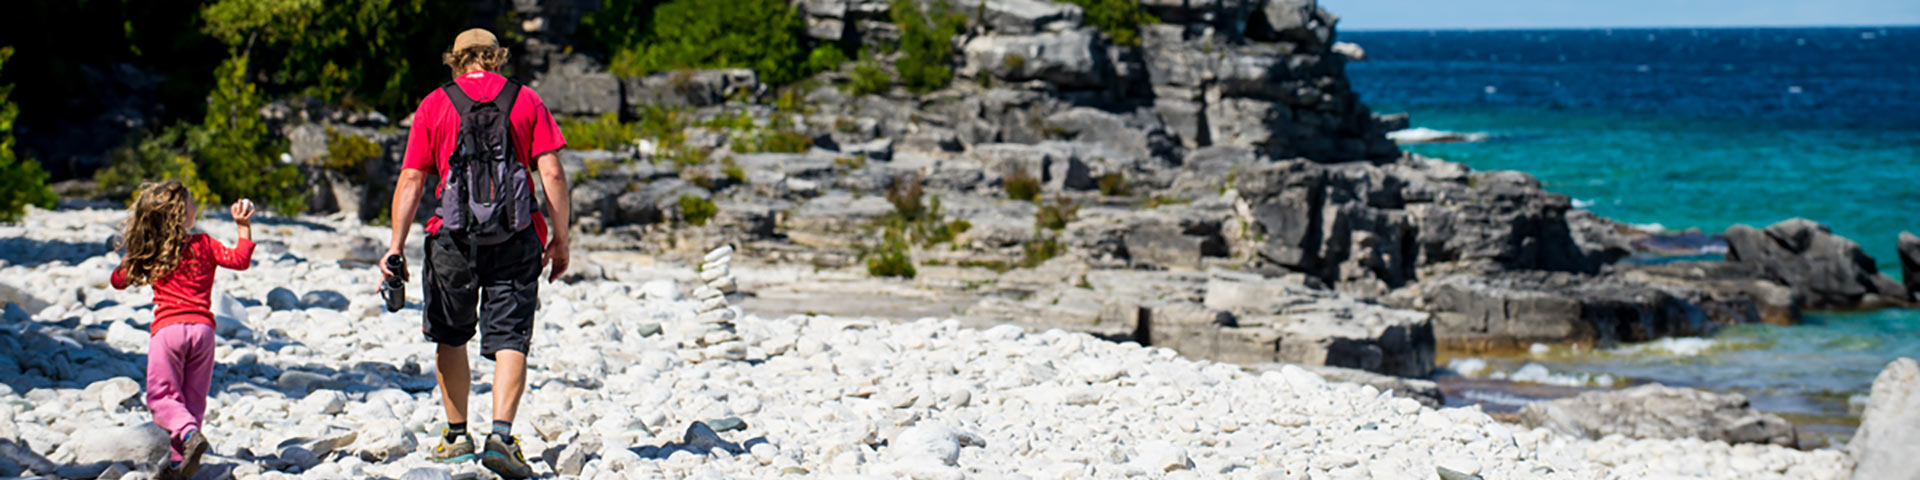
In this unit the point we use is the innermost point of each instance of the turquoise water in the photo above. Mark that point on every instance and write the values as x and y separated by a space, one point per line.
1693 129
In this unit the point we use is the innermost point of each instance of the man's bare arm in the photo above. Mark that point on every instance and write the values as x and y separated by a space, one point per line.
553 179
406 203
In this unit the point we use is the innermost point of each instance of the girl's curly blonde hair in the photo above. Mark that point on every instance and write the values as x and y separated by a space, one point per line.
155 236
486 56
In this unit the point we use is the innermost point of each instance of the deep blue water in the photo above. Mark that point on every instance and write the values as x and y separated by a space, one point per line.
1694 128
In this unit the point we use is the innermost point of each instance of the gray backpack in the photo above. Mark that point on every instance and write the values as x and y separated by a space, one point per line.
488 195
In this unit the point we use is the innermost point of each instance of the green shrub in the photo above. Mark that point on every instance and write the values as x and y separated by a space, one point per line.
22 182
696 210
1040 250
926 39
1158 201
164 155
362 53
869 78
345 152
737 122
773 141
731 169
904 194
1056 215
1114 185
764 35
824 58
1020 185
853 162
892 258
237 158
1120 19
604 132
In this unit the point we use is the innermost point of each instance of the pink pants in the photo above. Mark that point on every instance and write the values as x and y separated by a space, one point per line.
179 371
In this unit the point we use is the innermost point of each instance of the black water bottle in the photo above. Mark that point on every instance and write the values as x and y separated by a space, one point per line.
394 290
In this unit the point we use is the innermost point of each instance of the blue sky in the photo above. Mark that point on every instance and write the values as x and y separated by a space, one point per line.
1458 14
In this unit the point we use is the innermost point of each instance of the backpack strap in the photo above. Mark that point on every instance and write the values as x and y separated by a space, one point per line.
509 93
461 102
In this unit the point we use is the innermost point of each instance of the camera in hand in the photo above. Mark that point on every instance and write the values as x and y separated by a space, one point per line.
394 290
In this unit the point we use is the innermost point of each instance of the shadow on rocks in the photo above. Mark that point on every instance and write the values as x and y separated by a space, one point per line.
700 439
30 253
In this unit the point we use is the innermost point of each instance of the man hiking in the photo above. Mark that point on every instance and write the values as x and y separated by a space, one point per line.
485 136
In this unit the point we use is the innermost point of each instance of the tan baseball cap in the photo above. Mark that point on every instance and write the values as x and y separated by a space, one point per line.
478 37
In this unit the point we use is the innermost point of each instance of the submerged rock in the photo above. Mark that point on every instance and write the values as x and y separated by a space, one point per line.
1658 411
1910 263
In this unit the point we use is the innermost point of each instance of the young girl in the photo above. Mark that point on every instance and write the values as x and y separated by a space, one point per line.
180 267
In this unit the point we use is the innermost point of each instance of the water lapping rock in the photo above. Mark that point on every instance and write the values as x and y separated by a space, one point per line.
1827 270
814 394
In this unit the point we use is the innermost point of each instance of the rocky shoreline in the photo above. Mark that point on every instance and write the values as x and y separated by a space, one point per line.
1216 192
318 382
1110 188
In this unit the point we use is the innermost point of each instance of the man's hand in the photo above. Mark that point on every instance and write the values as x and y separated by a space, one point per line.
557 257
386 273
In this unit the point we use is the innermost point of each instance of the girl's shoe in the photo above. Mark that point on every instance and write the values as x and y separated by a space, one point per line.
505 460
460 449
194 445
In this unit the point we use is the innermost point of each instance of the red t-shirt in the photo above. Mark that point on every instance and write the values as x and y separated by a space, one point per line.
183 295
437 124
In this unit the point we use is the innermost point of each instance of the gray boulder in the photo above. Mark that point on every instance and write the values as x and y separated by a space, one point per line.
1056 168
1349 334
1658 411
690 88
1910 263
1883 447
826 19
1022 17
1073 59
326 299
1509 310
1827 270
578 85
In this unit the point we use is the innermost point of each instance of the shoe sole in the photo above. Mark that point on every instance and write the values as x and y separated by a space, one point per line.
196 447
463 458
498 463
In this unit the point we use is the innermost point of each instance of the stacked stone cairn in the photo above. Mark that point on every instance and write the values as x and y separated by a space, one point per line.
715 337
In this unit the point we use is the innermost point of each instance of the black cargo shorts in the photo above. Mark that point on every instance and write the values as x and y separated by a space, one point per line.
501 280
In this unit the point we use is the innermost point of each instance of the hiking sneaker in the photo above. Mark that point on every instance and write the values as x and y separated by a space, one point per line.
504 459
456 451
192 447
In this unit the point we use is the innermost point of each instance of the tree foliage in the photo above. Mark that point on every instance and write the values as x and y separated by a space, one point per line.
1119 19
237 159
767 36
22 182
378 54
926 42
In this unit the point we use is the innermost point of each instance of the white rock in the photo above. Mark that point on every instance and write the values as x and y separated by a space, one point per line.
141 444
125 336
384 440
229 316
113 391
322 403
664 289
926 440
1160 456
719 253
